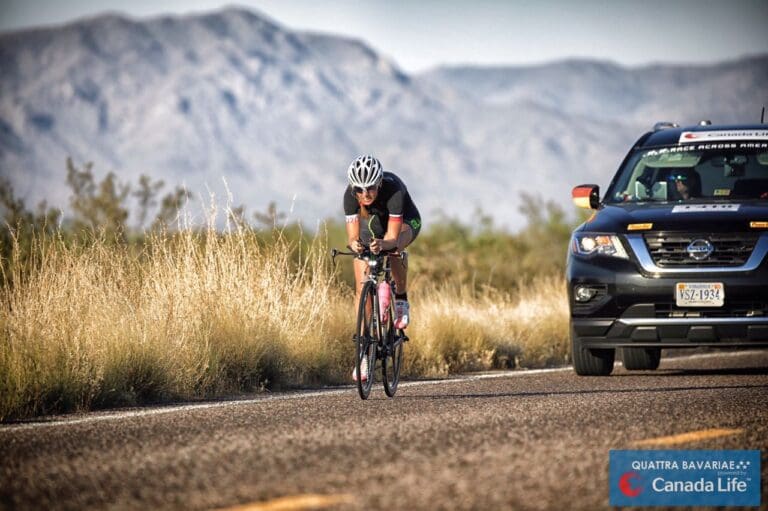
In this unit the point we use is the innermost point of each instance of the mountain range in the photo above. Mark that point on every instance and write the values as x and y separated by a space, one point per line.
235 97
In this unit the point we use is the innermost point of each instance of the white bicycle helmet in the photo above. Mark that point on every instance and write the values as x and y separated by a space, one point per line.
364 171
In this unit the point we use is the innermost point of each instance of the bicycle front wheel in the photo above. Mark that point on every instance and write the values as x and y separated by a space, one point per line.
393 354
365 352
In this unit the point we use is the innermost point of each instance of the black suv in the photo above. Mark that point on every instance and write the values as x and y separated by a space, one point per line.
675 254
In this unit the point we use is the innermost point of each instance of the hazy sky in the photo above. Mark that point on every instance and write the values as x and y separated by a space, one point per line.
419 34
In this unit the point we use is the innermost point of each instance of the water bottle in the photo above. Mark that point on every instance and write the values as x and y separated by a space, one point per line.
385 295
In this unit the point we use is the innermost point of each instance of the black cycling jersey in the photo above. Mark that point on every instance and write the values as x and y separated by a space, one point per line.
393 200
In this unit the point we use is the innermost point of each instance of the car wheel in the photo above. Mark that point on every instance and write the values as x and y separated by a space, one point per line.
641 359
590 361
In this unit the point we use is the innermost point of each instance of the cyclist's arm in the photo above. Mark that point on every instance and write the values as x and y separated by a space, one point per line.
393 232
395 206
353 228
352 220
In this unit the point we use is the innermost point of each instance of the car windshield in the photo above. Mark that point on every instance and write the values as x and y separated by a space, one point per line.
732 171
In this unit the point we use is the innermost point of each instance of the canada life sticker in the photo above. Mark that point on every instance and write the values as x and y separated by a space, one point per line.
684 478
690 137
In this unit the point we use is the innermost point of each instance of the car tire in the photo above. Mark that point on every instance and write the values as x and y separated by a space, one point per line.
641 359
590 361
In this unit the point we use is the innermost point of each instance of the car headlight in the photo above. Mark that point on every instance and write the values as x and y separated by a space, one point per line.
598 244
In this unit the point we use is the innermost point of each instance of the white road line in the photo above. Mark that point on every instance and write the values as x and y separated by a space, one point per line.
148 412
107 416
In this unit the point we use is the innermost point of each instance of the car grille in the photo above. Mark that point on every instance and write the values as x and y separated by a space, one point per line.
669 250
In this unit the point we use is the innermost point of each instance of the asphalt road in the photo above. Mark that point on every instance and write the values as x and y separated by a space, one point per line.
517 440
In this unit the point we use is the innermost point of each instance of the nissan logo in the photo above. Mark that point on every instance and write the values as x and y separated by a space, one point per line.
700 249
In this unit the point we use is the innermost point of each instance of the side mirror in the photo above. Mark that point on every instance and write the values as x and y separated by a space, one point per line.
586 196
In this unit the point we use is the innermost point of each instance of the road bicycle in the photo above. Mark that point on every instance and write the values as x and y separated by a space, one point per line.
376 338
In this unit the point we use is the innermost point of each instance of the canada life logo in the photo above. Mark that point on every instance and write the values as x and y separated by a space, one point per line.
629 484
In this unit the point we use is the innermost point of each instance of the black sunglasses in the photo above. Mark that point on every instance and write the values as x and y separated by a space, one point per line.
358 189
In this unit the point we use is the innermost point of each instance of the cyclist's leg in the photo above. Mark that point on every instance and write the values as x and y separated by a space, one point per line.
360 268
361 271
400 274
361 274
399 268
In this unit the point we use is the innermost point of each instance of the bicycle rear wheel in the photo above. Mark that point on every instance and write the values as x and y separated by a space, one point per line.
393 354
365 352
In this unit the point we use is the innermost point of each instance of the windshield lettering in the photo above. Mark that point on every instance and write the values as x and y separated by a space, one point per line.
704 171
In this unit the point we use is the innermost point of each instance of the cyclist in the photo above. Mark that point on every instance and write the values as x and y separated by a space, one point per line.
381 214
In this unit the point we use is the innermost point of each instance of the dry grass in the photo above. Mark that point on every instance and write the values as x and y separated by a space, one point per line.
204 314
456 330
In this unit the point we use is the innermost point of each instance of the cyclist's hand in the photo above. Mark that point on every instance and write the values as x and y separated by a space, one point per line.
356 246
376 245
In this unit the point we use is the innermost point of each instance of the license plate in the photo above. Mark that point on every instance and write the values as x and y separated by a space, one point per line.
700 294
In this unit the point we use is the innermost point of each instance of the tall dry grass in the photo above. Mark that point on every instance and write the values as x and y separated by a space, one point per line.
200 314
457 329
